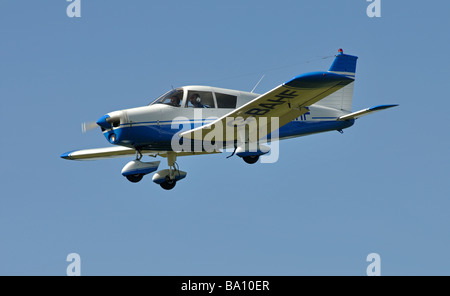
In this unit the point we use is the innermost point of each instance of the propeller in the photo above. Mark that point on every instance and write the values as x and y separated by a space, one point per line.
105 122
87 126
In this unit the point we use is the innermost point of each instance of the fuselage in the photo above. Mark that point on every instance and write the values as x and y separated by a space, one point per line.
154 126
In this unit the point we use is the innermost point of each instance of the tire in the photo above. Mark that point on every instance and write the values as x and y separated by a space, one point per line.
251 159
168 185
135 178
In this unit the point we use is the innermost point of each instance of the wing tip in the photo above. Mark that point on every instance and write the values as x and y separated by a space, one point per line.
383 107
66 155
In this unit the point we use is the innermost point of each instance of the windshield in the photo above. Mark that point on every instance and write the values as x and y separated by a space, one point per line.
172 98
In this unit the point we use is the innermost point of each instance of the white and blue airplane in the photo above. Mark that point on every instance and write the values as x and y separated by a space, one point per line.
308 104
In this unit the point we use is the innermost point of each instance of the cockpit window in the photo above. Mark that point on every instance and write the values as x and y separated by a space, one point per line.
171 98
200 99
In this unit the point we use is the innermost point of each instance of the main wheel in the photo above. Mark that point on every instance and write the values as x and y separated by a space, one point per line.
251 159
168 184
135 178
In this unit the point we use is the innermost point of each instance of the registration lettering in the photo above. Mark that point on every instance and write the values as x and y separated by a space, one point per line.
273 103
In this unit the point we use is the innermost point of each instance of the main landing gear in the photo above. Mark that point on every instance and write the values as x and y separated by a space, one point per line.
135 170
167 179
251 154
168 184
135 178
170 179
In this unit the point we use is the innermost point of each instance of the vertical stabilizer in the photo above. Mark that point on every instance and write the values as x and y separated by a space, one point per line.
342 99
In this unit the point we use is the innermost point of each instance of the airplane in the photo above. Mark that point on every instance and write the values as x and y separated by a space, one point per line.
181 121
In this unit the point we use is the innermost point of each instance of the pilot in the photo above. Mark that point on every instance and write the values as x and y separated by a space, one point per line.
174 101
196 101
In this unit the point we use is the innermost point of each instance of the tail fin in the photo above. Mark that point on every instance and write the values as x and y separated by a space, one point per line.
342 99
344 64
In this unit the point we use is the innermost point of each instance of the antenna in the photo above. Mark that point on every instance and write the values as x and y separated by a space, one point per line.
258 83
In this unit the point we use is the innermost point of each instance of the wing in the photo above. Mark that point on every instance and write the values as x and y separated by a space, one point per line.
274 109
117 151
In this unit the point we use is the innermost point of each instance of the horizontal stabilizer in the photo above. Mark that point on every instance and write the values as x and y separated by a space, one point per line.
364 112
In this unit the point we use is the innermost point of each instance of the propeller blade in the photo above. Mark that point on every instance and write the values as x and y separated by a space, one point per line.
87 126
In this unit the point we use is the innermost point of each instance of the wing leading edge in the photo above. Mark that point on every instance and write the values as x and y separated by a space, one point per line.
118 151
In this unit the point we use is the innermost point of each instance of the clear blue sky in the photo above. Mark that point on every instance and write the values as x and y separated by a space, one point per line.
328 202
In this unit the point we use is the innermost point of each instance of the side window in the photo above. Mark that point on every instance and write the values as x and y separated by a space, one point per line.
200 99
226 101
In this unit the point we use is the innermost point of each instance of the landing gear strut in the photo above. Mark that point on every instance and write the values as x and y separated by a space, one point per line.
170 179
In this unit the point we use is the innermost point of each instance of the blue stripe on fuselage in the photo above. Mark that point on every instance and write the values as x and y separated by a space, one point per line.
160 137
